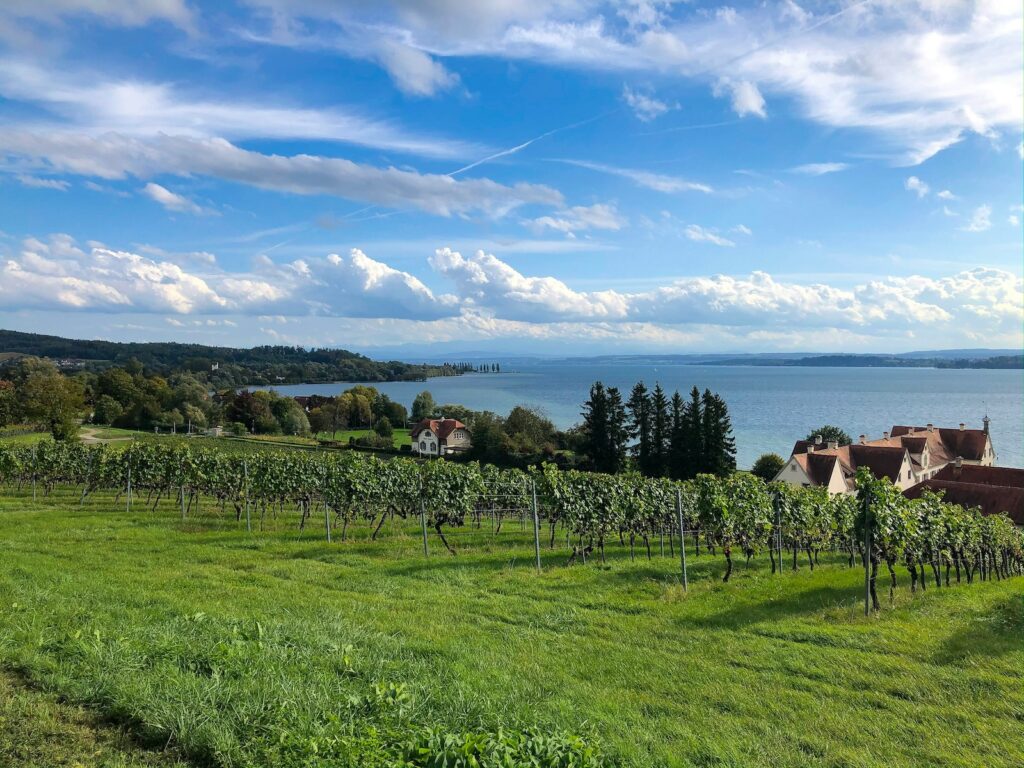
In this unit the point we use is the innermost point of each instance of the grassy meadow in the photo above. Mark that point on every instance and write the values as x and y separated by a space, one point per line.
132 638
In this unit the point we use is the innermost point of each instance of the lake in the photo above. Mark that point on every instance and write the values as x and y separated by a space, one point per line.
770 406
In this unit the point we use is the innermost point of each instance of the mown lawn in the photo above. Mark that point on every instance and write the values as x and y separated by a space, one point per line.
271 648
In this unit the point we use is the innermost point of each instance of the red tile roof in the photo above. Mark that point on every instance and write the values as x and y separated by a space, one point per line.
992 499
441 427
973 473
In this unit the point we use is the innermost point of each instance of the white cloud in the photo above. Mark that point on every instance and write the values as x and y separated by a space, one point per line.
861 67
946 195
819 169
656 181
645 107
113 156
413 71
580 218
39 183
981 219
491 284
914 184
746 98
173 201
699 234
742 229
1013 220
58 275
493 299
94 106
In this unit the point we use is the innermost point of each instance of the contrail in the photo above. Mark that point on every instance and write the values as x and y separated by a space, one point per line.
525 144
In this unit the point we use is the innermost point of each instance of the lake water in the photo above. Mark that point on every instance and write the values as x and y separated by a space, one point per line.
770 407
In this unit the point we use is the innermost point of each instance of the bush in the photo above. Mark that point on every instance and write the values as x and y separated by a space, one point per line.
767 466
383 427
237 429
405 448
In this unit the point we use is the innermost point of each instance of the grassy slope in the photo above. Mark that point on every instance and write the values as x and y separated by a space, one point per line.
223 639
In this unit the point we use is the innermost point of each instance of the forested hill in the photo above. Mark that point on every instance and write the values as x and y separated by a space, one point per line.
234 367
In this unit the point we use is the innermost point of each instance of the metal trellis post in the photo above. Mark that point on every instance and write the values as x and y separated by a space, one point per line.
867 552
245 475
327 521
423 525
682 537
536 525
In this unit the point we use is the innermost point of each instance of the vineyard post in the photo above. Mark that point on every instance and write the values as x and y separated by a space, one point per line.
536 524
245 476
867 552
327 520
128 496
778 530
423 525
682 536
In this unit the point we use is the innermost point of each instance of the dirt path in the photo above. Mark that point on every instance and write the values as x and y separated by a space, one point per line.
88 436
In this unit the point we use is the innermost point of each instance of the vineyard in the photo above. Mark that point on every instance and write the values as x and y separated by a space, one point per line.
232 606
738 516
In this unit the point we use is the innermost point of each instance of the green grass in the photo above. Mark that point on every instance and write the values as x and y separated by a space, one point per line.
258 649
401 435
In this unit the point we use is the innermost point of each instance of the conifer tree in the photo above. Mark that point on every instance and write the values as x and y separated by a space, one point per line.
660 430
639 406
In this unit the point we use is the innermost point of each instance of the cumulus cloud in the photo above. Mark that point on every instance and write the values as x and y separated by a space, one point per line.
113 156
645 106
173 201
59 275
656 181
580 218
746 98
978 298
819 169
490 283
914 184
699 234
40 183
981 219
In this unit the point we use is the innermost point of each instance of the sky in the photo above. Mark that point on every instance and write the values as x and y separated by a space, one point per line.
515 176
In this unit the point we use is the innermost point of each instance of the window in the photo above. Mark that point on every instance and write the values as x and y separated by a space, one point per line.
792 468
423 446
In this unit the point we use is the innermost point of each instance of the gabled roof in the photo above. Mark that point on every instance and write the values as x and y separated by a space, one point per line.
441 427
883 461
968 443
992 499
975 473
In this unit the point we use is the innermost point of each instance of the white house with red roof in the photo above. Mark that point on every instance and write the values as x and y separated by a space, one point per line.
440 437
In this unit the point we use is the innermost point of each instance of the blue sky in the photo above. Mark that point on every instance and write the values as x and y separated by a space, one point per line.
519 176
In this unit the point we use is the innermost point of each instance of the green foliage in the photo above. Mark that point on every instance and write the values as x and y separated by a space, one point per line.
828 433
767 466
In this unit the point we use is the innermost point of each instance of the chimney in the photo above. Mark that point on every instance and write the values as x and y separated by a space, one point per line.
986 422
959 462
817 439
833 444
863 439
962 426
931 427
885 435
